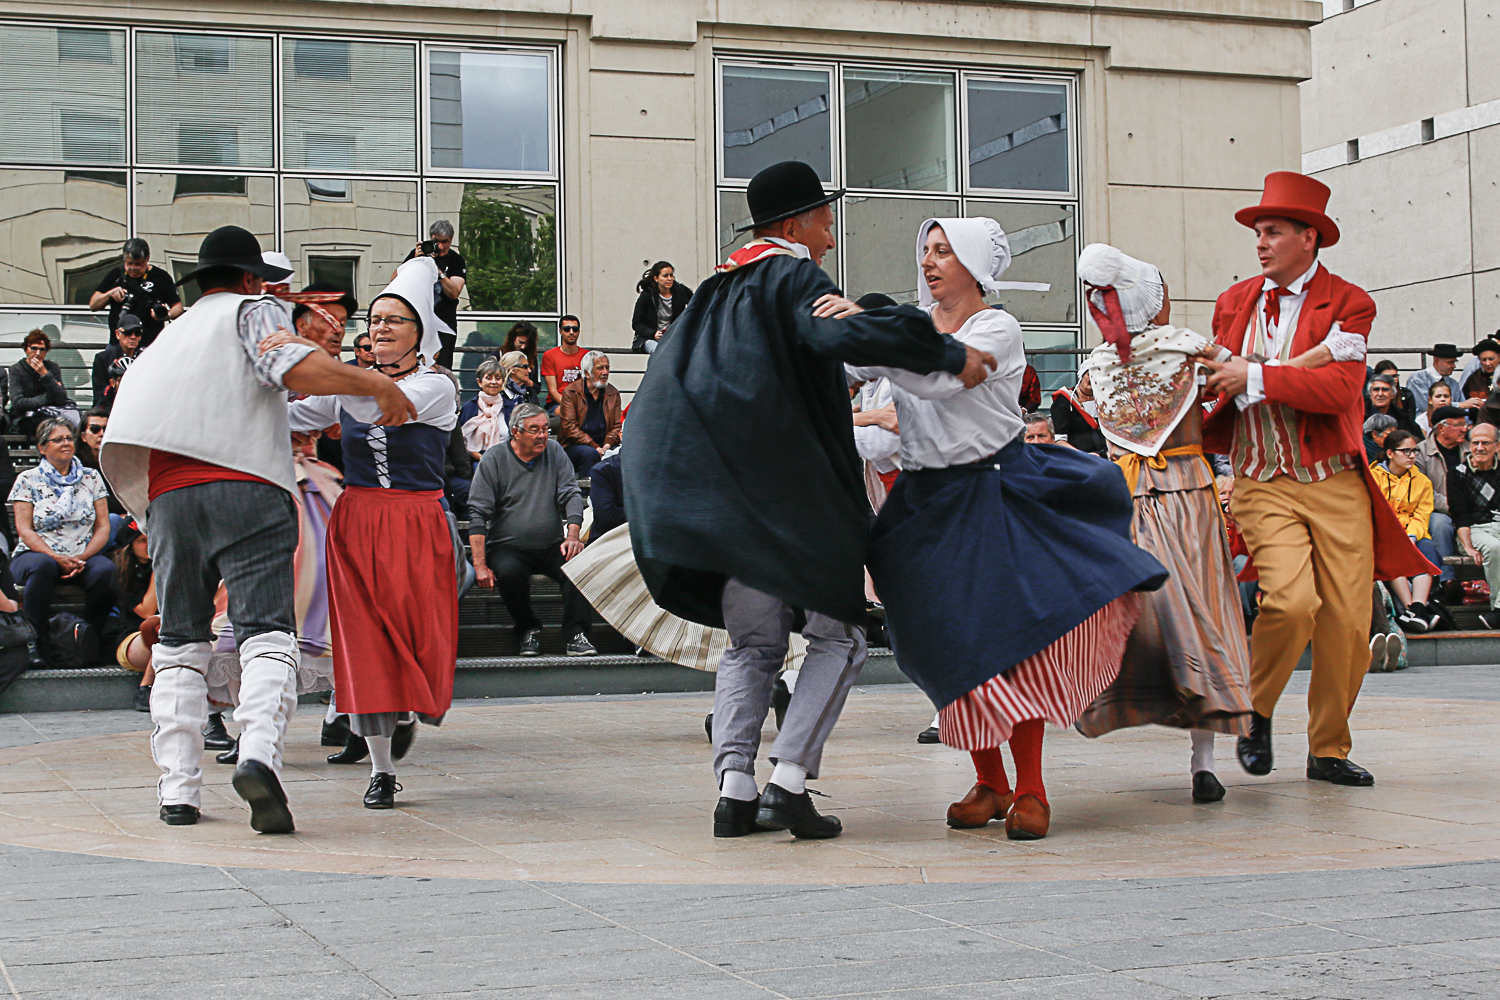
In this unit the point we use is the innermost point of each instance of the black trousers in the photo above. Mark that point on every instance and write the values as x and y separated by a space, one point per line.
513 569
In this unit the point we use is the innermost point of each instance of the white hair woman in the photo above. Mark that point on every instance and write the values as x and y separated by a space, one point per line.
998 648
391 565
503 382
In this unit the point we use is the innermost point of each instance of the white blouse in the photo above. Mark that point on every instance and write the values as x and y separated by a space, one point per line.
942 424
431 392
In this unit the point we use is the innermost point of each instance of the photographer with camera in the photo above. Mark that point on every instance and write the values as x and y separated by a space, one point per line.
139 289
451 277
127 344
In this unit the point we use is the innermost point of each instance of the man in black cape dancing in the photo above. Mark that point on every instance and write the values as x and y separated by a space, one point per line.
744 490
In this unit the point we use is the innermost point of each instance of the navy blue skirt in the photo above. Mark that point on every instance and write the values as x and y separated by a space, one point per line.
981 566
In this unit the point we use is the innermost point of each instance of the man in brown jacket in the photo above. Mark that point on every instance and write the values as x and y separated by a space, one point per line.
590 414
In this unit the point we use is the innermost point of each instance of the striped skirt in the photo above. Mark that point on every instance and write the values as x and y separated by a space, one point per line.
1056 684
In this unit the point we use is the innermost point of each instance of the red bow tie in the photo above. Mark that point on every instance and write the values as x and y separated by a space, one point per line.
1273 305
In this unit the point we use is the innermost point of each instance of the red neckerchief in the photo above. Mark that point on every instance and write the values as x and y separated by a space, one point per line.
1072 399
312 300
751 252
1111 319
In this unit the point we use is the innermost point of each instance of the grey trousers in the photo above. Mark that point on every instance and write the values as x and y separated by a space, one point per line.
759 626
242 533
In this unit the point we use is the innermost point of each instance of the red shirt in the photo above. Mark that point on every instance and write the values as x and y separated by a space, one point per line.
169 471
566 368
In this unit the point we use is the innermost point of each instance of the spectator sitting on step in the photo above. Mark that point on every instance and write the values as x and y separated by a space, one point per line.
521 337
364 352
1405 401
36 388
590 414
62 517
1376 428
563 364
1382 400
504 383
1038 430
1474 504
661 299
522 494
606 495
1486 359
1437 457
1409 493
1439 395
139 621
90 436
1031 390
126 344
1074 415
1444 358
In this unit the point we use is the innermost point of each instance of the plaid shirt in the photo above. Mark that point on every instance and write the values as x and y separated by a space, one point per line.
1474 496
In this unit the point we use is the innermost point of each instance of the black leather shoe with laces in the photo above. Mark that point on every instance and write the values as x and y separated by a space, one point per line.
215 736
230 756
382 793
180 814
736 818
335 733
401 739
781 697
1255 750
1206 787
1339 771
258 785
781 810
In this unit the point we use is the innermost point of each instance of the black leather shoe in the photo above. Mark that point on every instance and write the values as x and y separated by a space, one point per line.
382 793
335 733
401 739
143 698
215 736
181 814
736 818
355 750
781 697
781 810
1255 750
929 735
708 726
1206 787
1339 771
230 756
258 785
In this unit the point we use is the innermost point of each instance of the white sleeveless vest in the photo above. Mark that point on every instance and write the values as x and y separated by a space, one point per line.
193 392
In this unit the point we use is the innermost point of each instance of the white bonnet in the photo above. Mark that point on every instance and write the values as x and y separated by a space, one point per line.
416 284
981 246
1139 284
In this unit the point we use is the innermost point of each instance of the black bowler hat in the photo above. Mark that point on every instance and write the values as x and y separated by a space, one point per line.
231 246
783 190
1445 351
1487 344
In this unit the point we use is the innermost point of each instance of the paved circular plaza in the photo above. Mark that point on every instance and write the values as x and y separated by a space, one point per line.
619 790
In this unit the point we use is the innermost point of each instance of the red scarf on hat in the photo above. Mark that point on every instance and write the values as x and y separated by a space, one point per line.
1111 320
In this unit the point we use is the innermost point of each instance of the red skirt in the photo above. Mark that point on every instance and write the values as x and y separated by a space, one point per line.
393 602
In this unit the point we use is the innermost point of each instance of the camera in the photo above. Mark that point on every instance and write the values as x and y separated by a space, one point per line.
429 248
153 309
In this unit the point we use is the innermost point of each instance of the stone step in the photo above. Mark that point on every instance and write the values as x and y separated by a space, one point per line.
101 688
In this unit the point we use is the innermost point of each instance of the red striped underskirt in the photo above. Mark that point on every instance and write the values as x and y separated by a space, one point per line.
1056 684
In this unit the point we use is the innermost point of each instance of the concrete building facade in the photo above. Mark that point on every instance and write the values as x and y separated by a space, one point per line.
1401 118
574 142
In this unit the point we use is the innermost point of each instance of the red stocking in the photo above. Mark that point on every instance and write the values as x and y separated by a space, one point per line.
1026 747
989 767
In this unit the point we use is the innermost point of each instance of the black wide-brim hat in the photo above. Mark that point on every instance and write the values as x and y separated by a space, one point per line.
784 190
1449 351
231 246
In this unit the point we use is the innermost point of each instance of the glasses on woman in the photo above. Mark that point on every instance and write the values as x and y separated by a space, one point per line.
1408 452
394 322
59 439
39 348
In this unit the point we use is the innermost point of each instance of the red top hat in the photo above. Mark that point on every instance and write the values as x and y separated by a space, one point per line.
1293 196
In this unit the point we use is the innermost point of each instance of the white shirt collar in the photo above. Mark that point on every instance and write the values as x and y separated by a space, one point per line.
1297 287
796 248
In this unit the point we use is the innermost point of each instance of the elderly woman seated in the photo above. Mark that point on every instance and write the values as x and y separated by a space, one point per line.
62 518
1376 429
504 382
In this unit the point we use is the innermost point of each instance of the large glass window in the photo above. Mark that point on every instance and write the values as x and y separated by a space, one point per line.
1018 135
775 113
62 95
353 232
881 235
490 110
899 130
203 100
173 212
60 230
910 143
507 234
348 106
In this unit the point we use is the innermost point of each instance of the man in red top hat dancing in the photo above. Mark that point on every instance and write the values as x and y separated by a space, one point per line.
1317 527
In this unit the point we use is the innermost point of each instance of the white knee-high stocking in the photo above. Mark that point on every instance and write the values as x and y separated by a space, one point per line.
381 761
179 711
268 695
1203 751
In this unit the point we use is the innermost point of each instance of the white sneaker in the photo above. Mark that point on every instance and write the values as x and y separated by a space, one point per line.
1377 653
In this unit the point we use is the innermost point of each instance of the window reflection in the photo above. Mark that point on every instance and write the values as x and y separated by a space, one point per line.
899 130
174 212
348 106
775 113
734 214
490 110
352 232
507 234
60 231
1043 247
62 95
203 100
1018 135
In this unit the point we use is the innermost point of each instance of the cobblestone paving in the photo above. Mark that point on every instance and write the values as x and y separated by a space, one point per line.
79 926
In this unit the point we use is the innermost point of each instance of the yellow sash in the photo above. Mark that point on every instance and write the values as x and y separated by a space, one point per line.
1130 463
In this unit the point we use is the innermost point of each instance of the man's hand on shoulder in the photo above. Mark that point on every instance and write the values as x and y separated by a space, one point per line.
978 365
395 407
1232 376
833 306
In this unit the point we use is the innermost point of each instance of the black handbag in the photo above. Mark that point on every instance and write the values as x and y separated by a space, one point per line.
16 639
74 642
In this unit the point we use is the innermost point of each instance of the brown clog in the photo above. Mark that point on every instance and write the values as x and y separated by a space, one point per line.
981 805
1028 819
